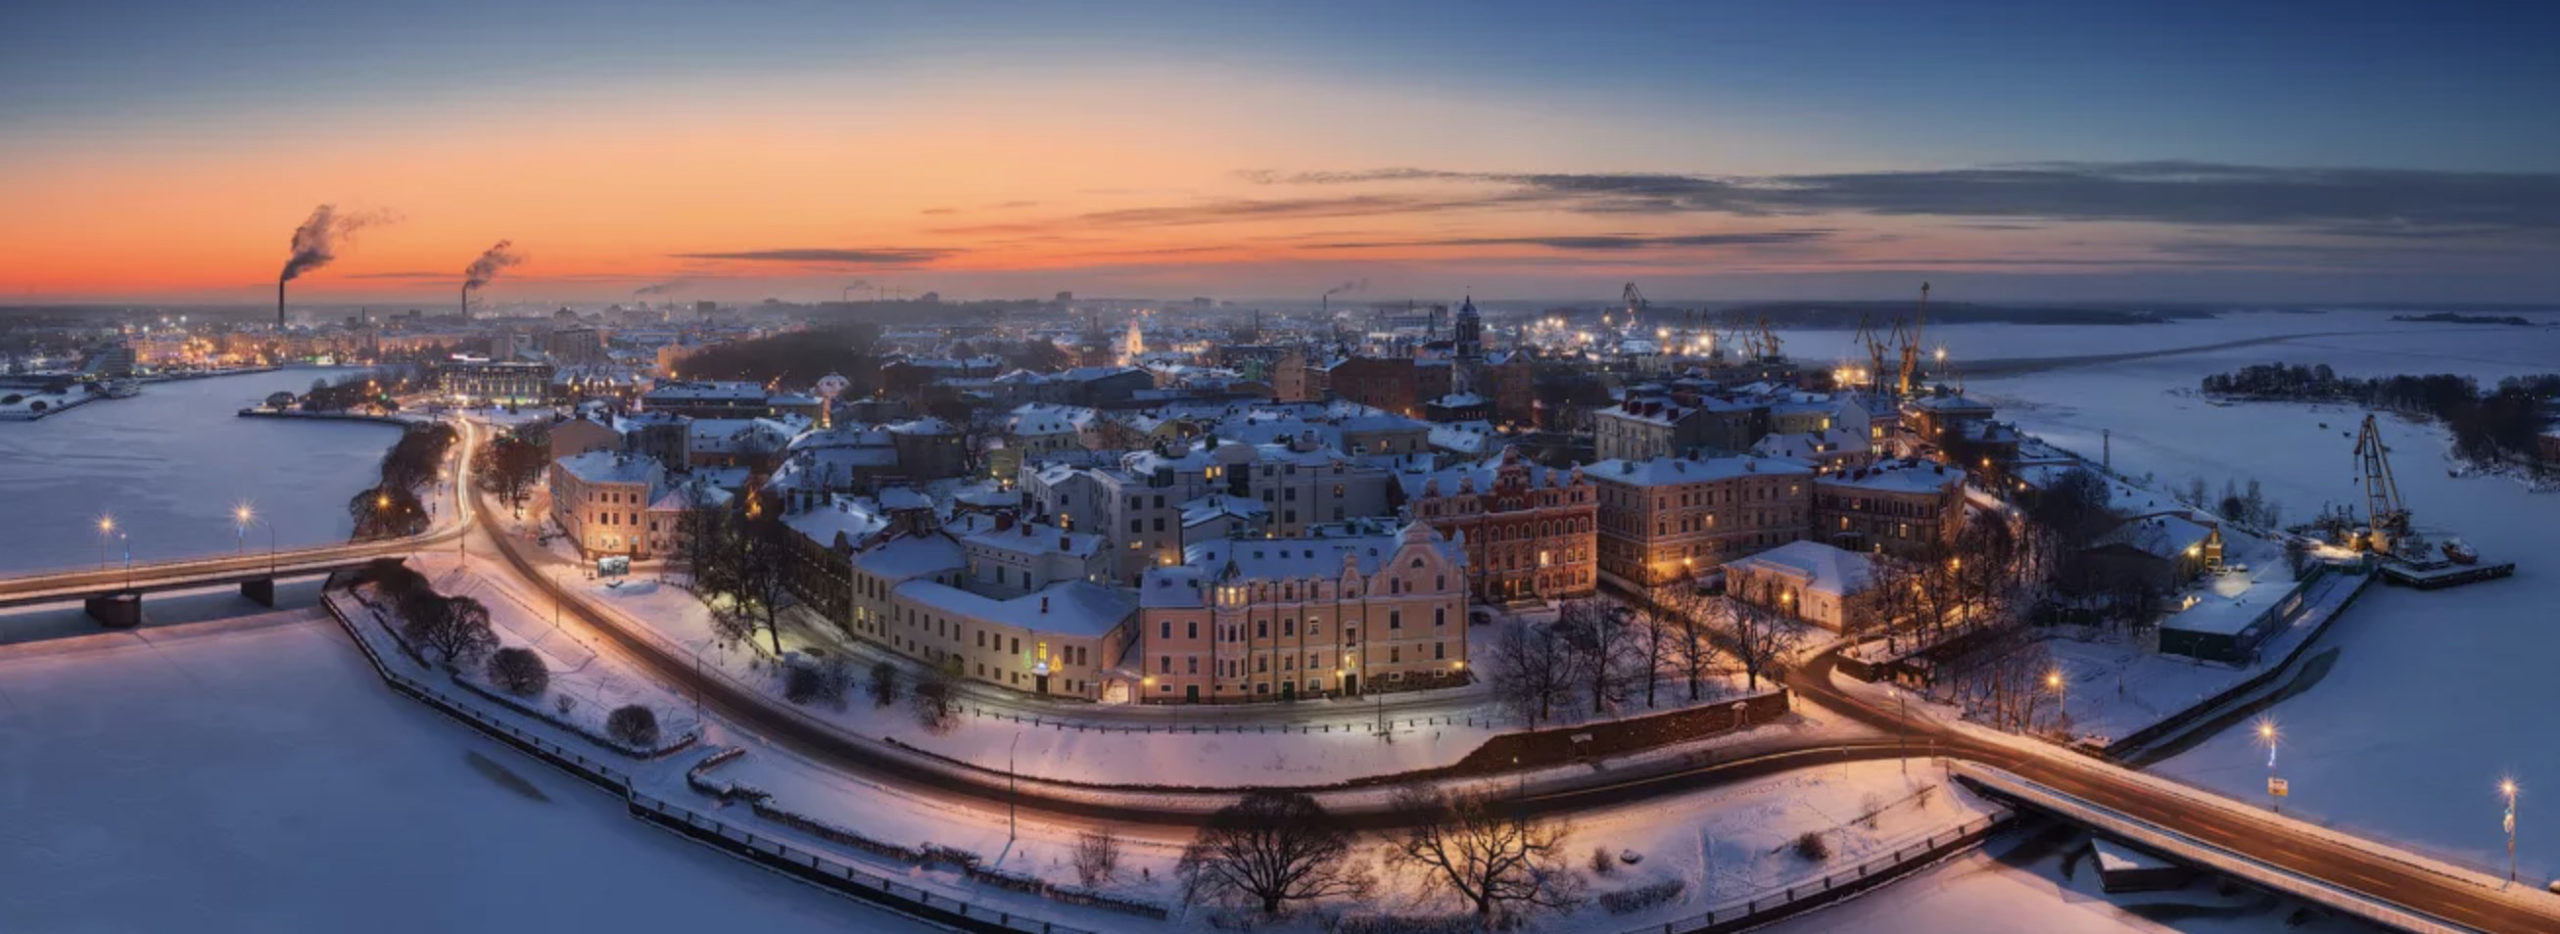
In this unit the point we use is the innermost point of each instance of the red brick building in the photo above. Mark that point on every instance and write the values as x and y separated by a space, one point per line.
1530 532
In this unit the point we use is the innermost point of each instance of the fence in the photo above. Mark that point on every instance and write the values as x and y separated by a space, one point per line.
1368 726
1872 872
807 866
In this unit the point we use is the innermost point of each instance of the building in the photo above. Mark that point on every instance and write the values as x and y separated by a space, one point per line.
1647 427
1810 581
600 500
2158 552
1396 384
1141 505
582 434
708 399
1366 607
477 381
1906 508
1671 518
1529 532
919 595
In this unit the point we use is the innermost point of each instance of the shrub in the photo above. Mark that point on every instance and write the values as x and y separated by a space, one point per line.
1811 846
565 703
933 704
519 671
1642 897
1601 862
633 725
1097 858
807 680
884 683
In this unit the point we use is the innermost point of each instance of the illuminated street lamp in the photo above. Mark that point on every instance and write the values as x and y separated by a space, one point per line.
2053 681
2507 787
2267 735
106 530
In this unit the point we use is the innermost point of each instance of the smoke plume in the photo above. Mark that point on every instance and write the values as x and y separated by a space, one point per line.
315 243
660 288
487 266
1351 286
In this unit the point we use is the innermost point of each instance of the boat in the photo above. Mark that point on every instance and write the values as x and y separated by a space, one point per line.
2460 553
120 388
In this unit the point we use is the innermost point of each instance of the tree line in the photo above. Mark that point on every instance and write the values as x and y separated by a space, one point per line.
2486 425
391 509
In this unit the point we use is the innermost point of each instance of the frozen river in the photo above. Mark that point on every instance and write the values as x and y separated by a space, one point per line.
2435 696
170 465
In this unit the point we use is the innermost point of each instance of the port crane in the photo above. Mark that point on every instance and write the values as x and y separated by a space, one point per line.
2385 514
1910 343
1875 353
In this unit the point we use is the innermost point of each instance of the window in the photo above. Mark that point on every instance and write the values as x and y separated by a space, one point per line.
1017 646
1395 654
1164 664
1289 627
1395 619
1439 650
1194 664
1439 617
1193 627
1167 631
1262 629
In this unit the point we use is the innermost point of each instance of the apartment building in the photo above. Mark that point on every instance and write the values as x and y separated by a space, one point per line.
1363 607
1671 518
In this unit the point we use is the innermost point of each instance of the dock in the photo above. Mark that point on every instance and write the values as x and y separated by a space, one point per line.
2436 575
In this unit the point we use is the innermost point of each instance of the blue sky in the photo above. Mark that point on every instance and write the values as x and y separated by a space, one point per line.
2463 92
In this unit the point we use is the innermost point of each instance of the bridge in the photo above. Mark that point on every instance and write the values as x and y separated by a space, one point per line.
112 594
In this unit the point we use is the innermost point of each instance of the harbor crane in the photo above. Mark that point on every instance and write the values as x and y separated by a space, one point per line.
1911 345
2385 514
1875 354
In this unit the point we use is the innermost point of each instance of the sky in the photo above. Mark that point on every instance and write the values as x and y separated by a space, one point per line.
165 152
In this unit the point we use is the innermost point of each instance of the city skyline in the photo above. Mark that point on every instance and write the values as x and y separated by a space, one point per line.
164 154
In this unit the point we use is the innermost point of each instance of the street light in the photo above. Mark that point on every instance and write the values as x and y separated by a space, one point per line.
1012 790
2267 735
2507 787
106 530
2061 689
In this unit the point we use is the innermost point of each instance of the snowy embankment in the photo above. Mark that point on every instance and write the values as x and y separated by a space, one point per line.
659 782
254 774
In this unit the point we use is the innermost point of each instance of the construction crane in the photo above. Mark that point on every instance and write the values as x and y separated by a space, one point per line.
1911 345
1768 343
1875 353
2385 514
1635 304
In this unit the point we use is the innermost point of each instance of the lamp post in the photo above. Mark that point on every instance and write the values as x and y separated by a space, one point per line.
244 516
2267 735
2507 787
2061 689
1012 788
106 530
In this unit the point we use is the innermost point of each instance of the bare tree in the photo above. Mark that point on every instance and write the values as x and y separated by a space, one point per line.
749 563
1491 856
1693 643
1760 640
932 699
1654 638
1602 646
883 684
1272 848
1097 857
456 628
1532 671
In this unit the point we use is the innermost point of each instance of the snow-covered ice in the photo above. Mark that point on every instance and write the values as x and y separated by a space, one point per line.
255 775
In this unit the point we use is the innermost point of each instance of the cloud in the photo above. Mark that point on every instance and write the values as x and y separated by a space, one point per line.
2399 203
1603 242
879 256
939 211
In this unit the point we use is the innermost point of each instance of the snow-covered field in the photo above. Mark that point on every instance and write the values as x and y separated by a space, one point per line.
255 775
2435 696
171 464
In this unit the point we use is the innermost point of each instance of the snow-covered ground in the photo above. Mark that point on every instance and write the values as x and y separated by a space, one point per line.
255 775
2435 696
171 464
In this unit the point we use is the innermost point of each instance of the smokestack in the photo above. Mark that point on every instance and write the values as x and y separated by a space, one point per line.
481 270
279 304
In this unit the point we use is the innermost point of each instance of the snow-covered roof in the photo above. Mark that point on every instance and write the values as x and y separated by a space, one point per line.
911 556
1906 476
1029 538
1303 558
1670 471
2164 535
1075 608
1822 568
1219 505
855 519
1813 445
611 467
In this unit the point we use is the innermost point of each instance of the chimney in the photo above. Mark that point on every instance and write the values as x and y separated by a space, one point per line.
1004 520
1044 604
1064 543
279 304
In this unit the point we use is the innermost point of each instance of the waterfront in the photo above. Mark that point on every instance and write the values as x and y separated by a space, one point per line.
171 465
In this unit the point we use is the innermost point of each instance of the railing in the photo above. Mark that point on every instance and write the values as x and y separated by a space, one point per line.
1873 871
819 868
814 867
2190 849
